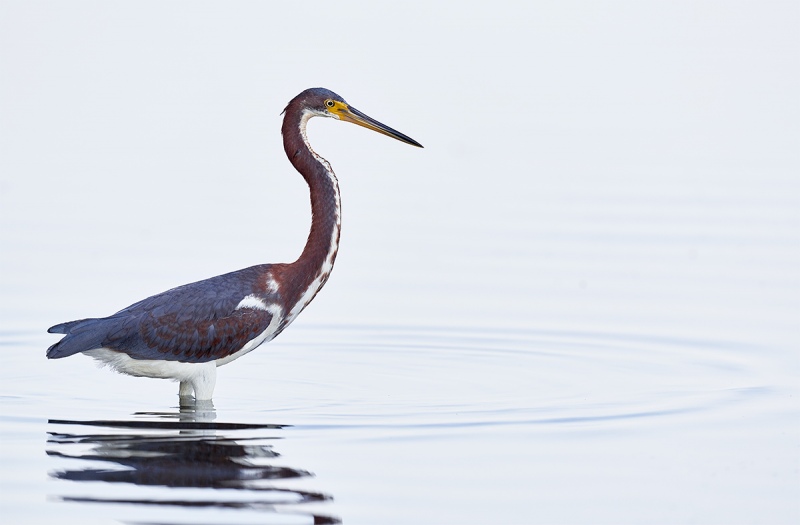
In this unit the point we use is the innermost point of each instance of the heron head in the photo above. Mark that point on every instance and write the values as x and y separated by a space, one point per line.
325 103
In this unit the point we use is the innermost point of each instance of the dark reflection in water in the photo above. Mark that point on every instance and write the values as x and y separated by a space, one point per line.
186 449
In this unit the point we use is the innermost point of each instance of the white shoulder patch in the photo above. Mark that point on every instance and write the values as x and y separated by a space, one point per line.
251 301
272 284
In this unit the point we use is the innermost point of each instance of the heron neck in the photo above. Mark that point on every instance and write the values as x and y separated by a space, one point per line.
311 270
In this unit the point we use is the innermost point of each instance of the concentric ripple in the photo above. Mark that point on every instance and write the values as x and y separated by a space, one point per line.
114 450
426 380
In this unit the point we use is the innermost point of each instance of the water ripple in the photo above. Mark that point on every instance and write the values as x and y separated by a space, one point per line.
427 378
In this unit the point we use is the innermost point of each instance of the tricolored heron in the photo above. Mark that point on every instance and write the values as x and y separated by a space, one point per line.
185 333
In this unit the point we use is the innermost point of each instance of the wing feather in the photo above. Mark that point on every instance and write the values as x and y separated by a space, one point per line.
194 323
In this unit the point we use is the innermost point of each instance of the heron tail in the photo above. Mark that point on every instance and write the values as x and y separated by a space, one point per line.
81 335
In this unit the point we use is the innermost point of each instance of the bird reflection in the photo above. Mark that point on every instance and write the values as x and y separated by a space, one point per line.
184 449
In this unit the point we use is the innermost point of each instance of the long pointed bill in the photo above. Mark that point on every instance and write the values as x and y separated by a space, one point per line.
351 114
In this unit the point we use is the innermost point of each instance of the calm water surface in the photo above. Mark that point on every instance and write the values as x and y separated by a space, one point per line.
412 424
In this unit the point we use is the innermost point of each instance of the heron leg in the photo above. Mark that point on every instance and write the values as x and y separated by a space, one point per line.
204 382
186 389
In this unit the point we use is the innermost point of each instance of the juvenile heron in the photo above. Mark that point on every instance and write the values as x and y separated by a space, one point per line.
185 333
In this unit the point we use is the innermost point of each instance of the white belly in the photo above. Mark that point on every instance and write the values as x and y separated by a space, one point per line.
157 368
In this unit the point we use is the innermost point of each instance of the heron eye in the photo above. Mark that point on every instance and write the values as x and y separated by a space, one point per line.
329 103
